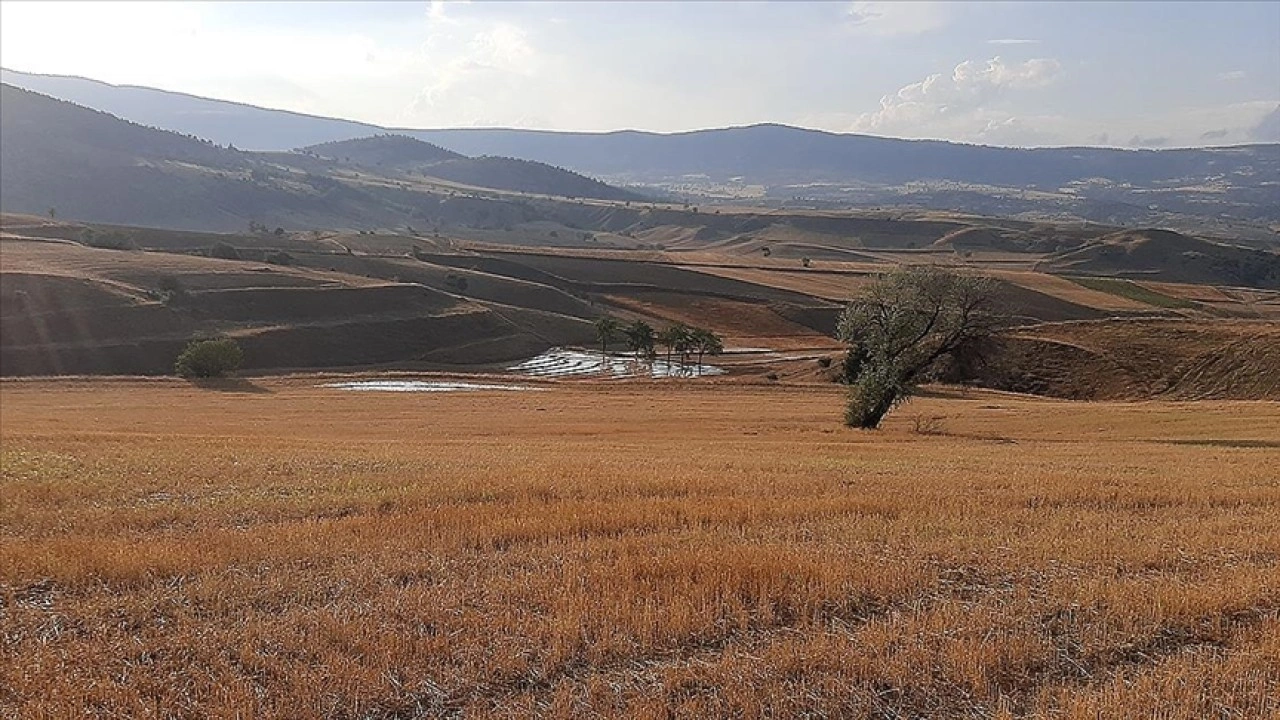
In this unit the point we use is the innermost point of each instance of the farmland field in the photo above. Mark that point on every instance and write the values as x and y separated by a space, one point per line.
274 548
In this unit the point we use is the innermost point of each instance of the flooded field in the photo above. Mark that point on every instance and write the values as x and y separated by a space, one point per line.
561 362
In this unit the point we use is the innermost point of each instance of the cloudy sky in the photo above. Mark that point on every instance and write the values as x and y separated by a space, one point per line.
1147 74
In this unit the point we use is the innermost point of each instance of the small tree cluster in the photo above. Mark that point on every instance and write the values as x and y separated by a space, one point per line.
680 340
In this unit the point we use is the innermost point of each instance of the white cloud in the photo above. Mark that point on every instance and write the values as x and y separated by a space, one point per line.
959 105
897 18
1232 76
437 15
1013 41
462 75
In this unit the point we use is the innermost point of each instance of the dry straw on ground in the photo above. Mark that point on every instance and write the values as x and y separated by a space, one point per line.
631 550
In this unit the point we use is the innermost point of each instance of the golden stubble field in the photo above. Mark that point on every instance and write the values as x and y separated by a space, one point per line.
631 550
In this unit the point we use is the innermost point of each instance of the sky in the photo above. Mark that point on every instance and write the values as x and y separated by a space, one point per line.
1145 74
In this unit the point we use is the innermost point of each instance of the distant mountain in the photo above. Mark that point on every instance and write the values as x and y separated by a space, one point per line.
390 152
226 123
1203 190
772 154
90 165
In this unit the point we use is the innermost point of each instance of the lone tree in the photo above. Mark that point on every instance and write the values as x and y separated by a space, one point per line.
900 327
209 358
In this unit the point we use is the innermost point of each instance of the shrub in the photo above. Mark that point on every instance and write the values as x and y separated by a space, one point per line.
170 291
224 251
279 257
110 240
209 358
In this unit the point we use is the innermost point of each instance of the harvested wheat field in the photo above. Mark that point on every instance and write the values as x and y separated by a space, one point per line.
654 550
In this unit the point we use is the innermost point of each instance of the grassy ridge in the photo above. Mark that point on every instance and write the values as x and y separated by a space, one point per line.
632 550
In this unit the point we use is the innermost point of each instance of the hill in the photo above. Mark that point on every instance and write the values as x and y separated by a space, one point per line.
70 309
90 165
1140 359
1226 191
401 153
87 164
226 123
1165 255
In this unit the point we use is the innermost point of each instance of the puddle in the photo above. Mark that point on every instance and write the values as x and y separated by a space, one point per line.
422 386
559 362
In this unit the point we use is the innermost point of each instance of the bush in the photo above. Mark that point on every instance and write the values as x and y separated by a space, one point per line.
279 257
170 291
110 240
224 251
209 358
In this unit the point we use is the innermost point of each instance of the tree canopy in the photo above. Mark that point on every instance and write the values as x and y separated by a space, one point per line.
900 326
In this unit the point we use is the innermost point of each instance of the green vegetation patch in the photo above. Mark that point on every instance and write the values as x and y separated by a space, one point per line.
1133 291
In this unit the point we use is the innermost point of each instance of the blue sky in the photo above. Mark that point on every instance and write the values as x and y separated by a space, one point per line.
1145 74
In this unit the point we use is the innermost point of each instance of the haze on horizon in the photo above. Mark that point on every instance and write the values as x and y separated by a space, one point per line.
1026 74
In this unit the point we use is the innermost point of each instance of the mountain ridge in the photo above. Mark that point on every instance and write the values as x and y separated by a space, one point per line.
1222 191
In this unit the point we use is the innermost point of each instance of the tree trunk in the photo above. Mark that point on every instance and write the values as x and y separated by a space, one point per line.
867 415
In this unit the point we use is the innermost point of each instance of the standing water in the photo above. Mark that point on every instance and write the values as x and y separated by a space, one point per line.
559 362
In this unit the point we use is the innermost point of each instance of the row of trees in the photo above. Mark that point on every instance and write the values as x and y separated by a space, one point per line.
642 340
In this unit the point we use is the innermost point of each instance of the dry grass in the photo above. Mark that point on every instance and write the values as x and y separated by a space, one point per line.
631 550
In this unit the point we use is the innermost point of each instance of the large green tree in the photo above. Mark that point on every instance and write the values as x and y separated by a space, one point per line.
903 324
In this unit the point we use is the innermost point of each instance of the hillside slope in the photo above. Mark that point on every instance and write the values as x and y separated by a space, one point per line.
1165 255
92 166
408 155
226 123
1140 359
70 309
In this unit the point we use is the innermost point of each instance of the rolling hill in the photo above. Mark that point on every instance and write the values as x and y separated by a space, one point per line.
1165 255
109 299
404 154
90 165
226 123
1228 192
67 308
